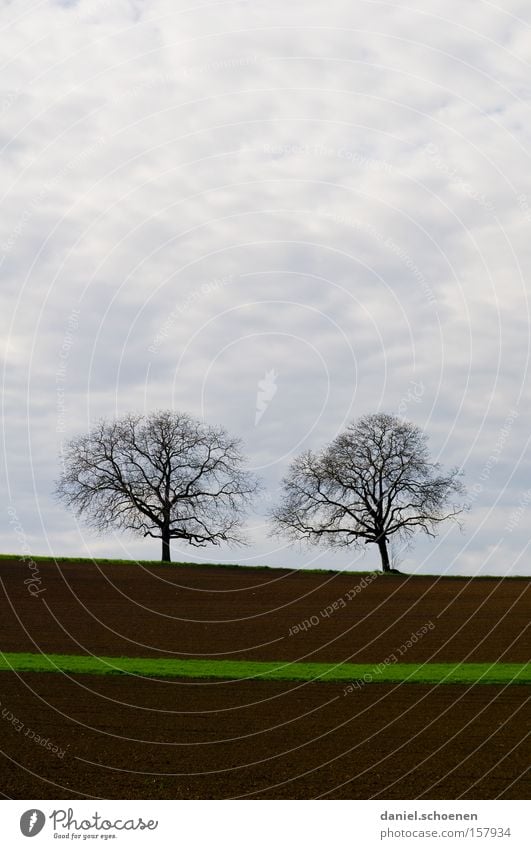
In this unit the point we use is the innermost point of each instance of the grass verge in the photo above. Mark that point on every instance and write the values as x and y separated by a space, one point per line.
417 673
189 565
37 558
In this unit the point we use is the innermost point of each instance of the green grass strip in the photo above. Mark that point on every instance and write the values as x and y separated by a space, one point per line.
247 568
427 673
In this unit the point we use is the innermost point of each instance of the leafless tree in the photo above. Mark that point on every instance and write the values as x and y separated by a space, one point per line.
164 475
375 480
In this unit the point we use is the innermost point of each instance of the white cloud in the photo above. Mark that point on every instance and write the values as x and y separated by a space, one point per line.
360 175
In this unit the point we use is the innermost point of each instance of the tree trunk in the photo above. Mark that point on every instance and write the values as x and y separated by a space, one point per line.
166 558
384 554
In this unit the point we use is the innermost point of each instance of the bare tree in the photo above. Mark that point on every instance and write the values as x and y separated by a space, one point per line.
375 480
164 475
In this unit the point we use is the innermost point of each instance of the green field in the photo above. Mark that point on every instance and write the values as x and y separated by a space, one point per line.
37 558
417 673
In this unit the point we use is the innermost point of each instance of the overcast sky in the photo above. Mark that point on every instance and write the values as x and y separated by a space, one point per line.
279 217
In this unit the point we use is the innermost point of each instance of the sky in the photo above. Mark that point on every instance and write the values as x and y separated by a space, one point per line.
277 217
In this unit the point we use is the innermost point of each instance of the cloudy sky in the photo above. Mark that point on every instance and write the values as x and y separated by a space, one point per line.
320 208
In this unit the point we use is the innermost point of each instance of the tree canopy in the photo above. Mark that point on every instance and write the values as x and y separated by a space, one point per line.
374 481
165 475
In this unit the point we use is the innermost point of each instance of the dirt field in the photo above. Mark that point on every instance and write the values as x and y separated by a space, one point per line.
145 739
236 614
138 738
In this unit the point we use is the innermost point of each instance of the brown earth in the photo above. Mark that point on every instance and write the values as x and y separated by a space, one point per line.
216 740
208 612
129 737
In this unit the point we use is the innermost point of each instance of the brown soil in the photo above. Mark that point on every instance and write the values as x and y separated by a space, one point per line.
231 613
138 738
196 740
